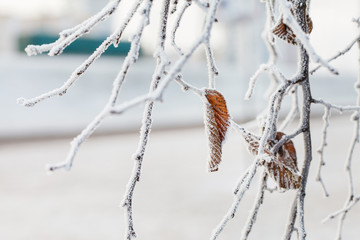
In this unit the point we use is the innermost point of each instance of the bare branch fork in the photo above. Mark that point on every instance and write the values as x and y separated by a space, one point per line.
294 14
161 77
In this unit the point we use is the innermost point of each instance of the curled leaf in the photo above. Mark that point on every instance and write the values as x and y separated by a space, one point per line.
217 122
282 166
284 32
283 169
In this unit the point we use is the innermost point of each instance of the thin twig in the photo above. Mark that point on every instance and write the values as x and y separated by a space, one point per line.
269 42
176 68
147 121
356 139
70 35
321 149
255 210
233 209
303 69
302 37
346 208
262 68
292 218
119 80
204 4
187 86
336 107
294 109
179 17
112 39
340 53
213 72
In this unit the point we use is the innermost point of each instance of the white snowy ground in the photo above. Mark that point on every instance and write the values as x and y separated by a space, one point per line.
175 199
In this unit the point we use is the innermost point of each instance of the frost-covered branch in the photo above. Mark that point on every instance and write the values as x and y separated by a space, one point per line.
162 62
336 107
274 151
269 42
295 111
321 149
202 3
179 17
119 80
352 200
70 35
345 209
302 37
292 218
187 86
175 69
255 210
238 197
213 72
254 78
340 53
112 39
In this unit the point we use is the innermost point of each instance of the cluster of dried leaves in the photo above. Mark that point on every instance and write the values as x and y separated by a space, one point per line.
281 166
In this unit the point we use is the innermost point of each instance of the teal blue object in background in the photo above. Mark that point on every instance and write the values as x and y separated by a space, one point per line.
80 46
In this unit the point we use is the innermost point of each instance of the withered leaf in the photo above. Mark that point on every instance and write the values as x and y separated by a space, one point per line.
283 169
309 24
217 122
283 164
284 32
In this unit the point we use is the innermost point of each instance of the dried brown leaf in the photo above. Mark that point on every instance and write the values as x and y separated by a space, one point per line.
284 32
217 122
283 165
309 24
283 169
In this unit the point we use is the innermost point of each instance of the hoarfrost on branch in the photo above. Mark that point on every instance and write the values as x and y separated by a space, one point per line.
268 148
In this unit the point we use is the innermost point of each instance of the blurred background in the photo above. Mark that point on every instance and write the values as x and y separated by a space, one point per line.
84 202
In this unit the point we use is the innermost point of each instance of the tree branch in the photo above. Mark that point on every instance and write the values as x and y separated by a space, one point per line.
340 53
70 35
255 210
112 39
323 144
119 80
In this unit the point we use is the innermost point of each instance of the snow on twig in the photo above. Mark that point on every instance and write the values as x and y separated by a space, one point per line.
175 69
162 62
238 197
262 68
292 218
70 35
213 72
321 149
336 107
92 126
166 72
345 209
294 109
187 86
202 3
255 210
302 36
352 200
177 24
112 39
269 42
340 53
